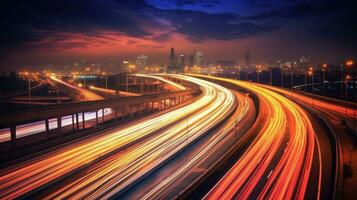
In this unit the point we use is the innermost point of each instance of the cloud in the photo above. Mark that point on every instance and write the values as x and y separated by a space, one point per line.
41 24
21 18
293 11
205 3
198 25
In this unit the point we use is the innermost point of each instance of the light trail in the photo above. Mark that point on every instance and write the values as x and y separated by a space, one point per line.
167 184
38 127
123 169
88 95
350 112
114 92
291 174
22 178
169 82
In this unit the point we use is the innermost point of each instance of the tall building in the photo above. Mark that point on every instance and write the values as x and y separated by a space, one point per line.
181 62
191 61
172 61
142 61
198 58
304 61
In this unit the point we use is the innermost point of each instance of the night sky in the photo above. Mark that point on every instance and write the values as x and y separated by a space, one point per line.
63 31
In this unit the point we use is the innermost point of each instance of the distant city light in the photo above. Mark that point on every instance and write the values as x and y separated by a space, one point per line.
349 63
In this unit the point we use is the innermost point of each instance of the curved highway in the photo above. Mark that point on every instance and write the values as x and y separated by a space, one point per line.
278 163
119 170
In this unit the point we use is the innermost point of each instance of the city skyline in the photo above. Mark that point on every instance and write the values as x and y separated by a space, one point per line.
38 33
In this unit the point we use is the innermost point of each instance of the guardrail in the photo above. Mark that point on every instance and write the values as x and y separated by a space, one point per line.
21 116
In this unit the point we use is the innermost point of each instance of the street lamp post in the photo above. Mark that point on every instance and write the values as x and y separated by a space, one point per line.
29 85
292 77
246 73
323 78
305 87
106 84
257 72
349 63
239 72
341 85
346 85
312 81
312 78
271 76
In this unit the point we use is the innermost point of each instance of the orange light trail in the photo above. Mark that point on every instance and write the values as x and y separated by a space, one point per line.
350 112
123 169
290 177
113 92
214 103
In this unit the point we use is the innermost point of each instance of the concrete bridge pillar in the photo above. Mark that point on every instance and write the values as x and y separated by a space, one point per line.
77 121
59 124
83 120
73 128
96 117
47 125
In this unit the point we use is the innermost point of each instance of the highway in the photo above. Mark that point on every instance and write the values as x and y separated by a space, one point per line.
278 163
174 86
87 95
38 127
113 92
126 165
321 104
190 165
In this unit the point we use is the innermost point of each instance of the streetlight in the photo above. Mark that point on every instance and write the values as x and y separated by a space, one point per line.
323 78
271 76
348 77
258 72
346 82
239 72
292 77
312 78
246 73
349 63
305 87
106 84
28 74
312 82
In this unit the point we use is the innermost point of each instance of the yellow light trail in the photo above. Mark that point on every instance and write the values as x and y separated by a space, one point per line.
290 177
24 177
123 169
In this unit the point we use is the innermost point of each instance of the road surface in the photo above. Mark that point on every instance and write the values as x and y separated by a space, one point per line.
42 171
278 163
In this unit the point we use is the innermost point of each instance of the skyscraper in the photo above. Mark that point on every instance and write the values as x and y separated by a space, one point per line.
172 60
142 61
191 61
198 58
181 62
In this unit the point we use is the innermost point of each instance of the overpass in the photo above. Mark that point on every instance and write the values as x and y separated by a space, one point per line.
14 118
